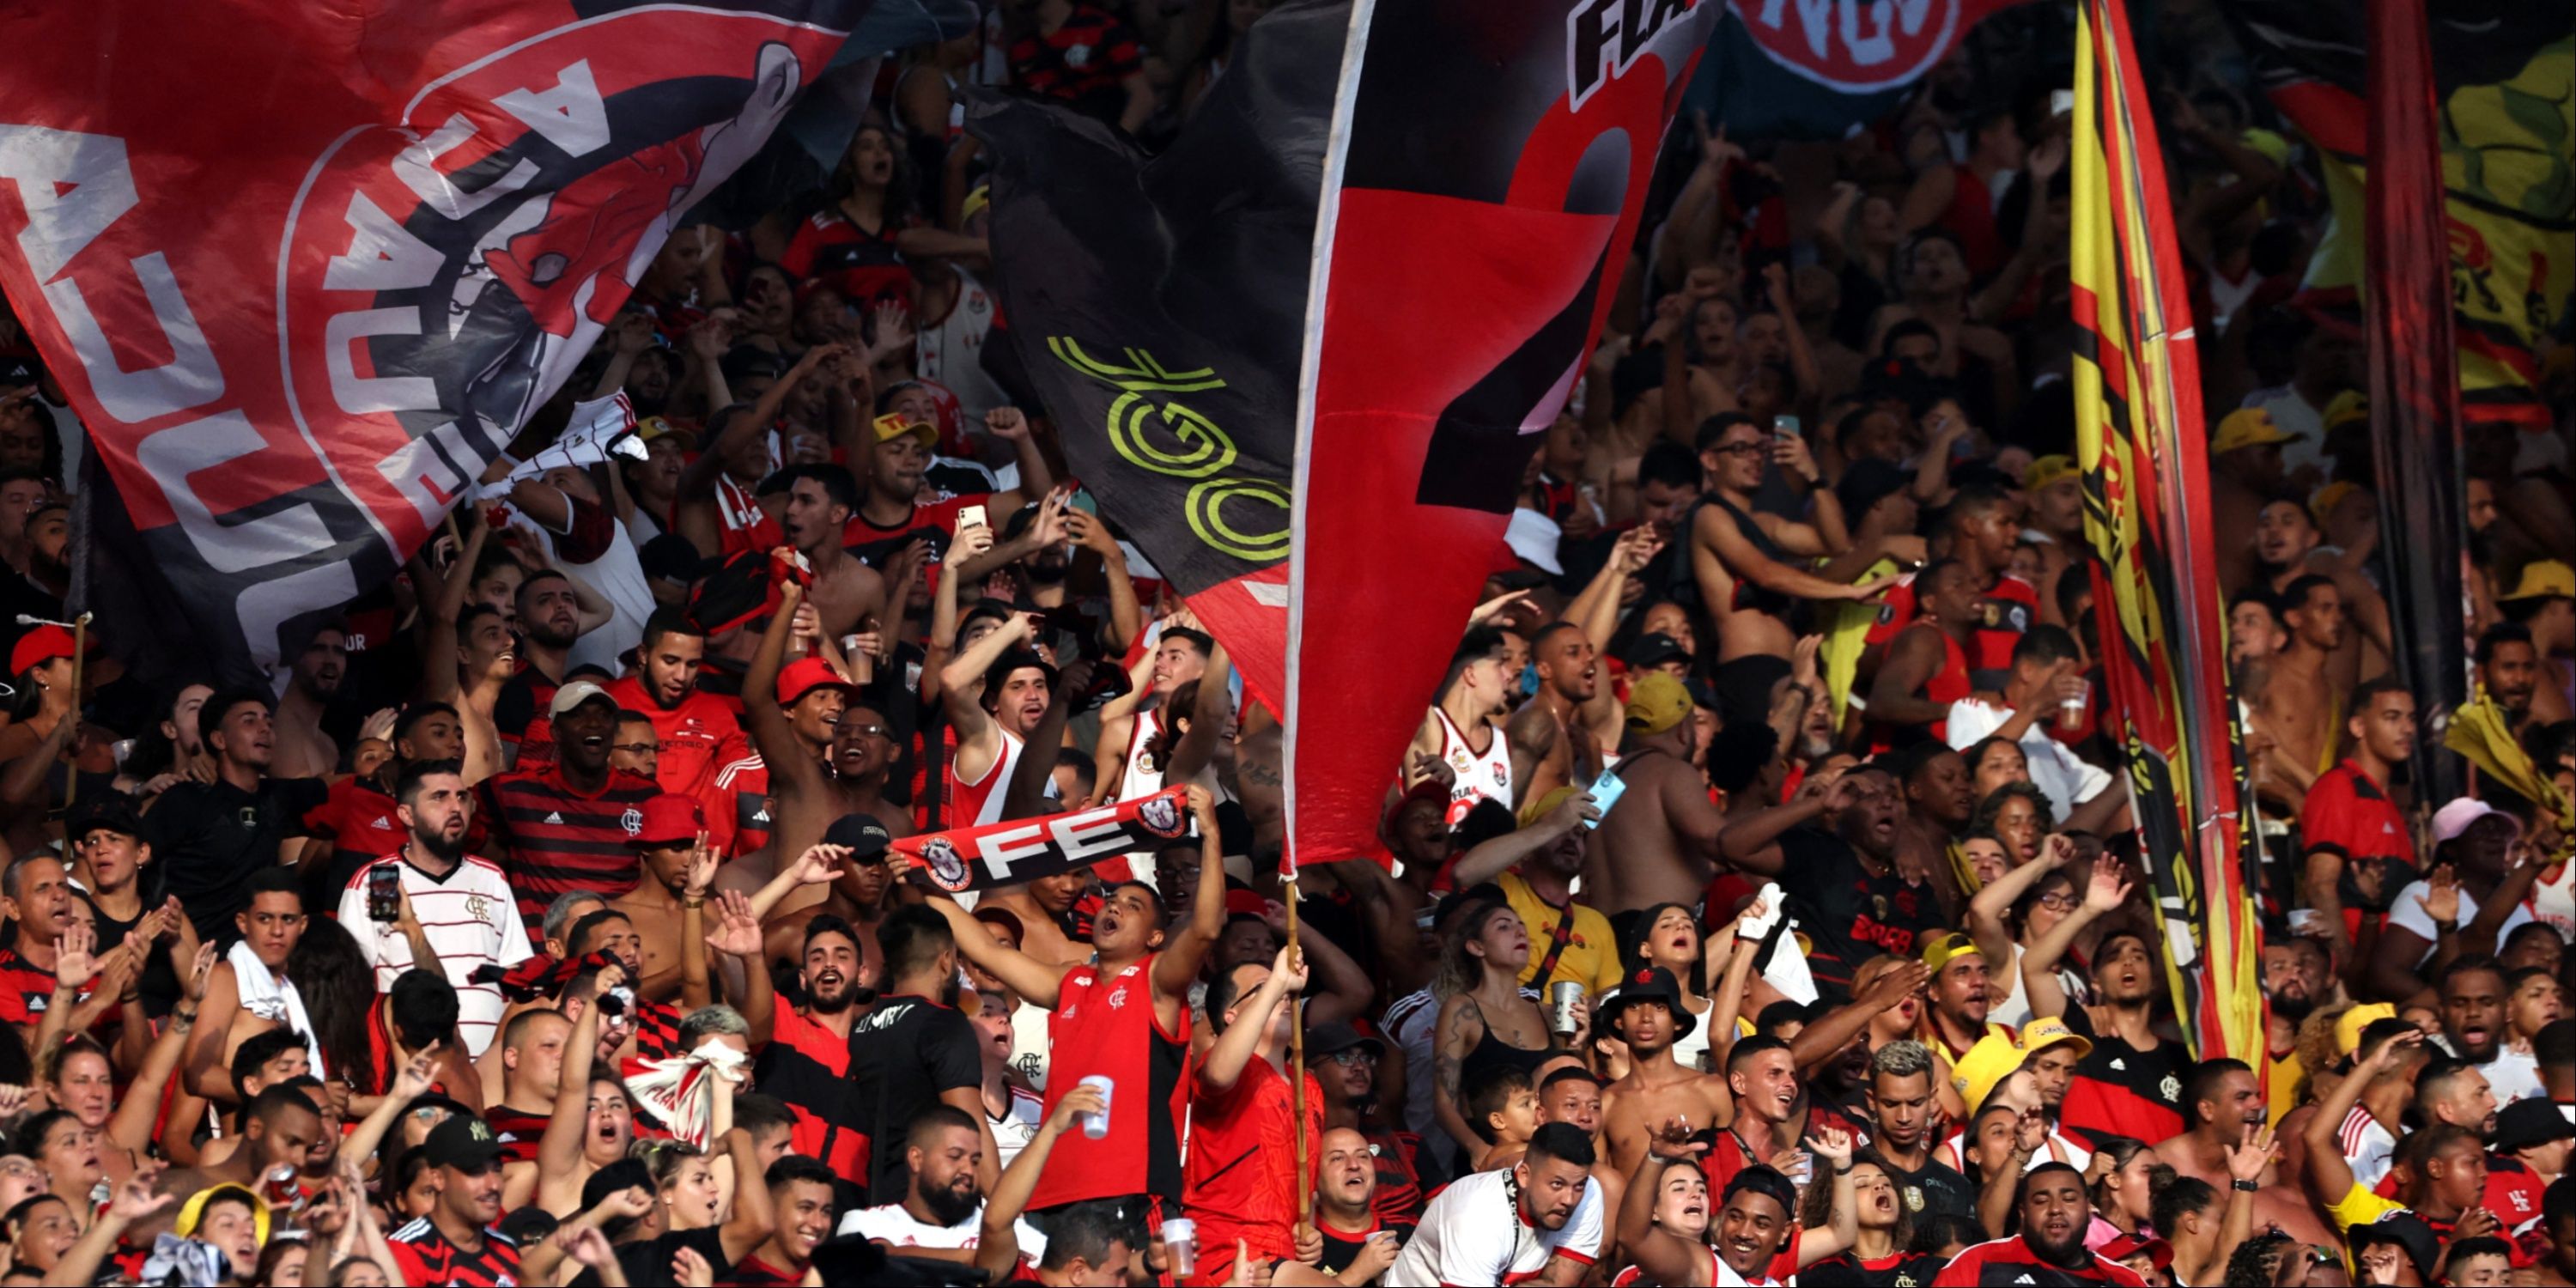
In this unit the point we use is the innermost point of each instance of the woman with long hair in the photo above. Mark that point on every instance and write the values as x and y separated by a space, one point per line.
1668 936
2121 1178
1880 1251
1484 1019
2011 912
1993 762
339 989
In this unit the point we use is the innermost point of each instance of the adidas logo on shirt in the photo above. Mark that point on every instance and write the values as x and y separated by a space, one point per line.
382 824
2121 1065
554 818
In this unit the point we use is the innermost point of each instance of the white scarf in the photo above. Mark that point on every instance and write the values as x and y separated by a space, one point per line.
272 997
676 1088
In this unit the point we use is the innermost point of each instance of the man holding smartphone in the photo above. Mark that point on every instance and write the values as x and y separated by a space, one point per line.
430 904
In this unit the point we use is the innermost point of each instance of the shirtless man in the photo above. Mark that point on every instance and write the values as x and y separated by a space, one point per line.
667 907
1573 719
2299 705
303 750
820 498
1045 907
2289 546
1663 832
1460 731
1648 1015
1752 565
2227 1135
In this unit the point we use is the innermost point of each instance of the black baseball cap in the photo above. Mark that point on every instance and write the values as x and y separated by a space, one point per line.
866 837
1337 1037
464 1142
107 811
2527 1124
2407 1231
1654 648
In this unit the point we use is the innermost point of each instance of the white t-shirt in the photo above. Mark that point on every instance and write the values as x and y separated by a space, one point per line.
1473 1234
2512 1075
1018 1125
2065 779
896 1228
1953 1152
2367 1146
2409 915
471 919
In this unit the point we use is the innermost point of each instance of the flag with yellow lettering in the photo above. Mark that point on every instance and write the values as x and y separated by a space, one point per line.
2145 454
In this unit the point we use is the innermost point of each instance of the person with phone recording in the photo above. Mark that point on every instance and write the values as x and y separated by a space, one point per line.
432 905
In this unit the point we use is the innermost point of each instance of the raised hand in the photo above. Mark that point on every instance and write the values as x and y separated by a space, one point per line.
1289 968
820 864
1896 985
691 1270
76 960
201 972
379 726
1833 1146
892 327
702 869
413 1079
1009 424
1502 606
2109 888
2246 1162
737 930
585 1245
2441 897
137 1198
1081 1098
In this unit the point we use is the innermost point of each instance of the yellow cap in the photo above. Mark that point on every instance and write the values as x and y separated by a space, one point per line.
2047 470
2247 427
892 426
193 1212
2348 1026
1941 950
1990 1061
2345 408
2039 1035
2322 502
1657 702
2272 147
1536 809
2545 579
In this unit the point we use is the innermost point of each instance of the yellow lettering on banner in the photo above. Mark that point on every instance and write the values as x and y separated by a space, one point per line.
1161 435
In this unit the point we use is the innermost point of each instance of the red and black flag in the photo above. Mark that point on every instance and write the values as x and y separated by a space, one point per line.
304 269
1159 308
2145 452
1488 167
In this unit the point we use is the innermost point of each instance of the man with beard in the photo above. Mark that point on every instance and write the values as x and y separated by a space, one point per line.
456 1243
807 1061
1536 873
695 732
941 1212
1359 1241
2509 670
1902 1112
1659 843
2472 995
890 514
2483 902
2297 980
1842 884
1572 722
565 826
2130 1083
360 815
2452 1096
1958 996
303 750
2055 1213
208 839
914 1051
551 617
801 1203
1537 1221
456 913
846 592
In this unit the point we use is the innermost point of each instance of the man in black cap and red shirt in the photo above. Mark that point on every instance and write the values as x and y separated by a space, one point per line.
566 826
455 1243
1345 1062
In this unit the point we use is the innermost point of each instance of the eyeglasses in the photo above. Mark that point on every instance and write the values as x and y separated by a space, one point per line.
1748 447
1355 1055
2059 902
871 731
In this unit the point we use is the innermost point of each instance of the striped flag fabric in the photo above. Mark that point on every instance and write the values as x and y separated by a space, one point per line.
2145 456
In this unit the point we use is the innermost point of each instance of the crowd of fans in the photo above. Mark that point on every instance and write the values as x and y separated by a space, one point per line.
1760 900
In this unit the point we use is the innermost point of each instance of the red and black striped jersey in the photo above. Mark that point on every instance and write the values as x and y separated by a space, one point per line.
518 1130
358 816
555 839
2014 1261
424 1256
808 1066
1082 62
2120 1090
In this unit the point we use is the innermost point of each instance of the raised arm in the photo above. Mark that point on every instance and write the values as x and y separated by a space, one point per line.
1207 719
131 1128
1491 858
411 1082
997 1247
1186 949
1039 983
1835 1148
1986 910
1827 1037
559 1149
737 935
1240 1043
2329 1172
2106 893
1665 1257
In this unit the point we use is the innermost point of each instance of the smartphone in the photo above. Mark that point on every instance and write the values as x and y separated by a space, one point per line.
971 516
384 893
1784 428
1606 791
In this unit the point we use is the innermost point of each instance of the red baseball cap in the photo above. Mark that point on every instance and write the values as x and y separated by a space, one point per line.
38 646
806 674
670 820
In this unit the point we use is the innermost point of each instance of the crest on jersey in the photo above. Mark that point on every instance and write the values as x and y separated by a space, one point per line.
632 820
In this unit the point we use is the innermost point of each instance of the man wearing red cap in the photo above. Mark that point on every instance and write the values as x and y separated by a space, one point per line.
668 903
809 767
697 731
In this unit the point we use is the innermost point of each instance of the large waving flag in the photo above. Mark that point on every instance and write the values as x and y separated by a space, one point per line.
1818 69
2146 483
303 269
1487 170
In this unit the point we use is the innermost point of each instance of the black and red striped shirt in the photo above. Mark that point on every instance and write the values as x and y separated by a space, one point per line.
554 839
518 1131
26 989
1084 62
2014 1261
808 1066
424 1256
358 816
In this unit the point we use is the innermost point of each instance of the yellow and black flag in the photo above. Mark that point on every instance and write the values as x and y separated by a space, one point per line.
2146 488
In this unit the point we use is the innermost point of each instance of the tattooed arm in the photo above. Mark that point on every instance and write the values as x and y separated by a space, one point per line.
1461 1026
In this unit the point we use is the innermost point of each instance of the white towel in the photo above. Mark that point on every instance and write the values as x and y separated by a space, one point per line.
273 998
677 1091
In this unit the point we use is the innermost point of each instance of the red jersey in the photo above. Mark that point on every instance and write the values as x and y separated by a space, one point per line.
518 1131
1084 62
742 524
935 523
1971 217
808 1067
2014 1261
2348 815
554 838
1242 1177
1105 1024
698 736
980 802
739 807
863 266
359 818
1947 685
424 1256
2010 606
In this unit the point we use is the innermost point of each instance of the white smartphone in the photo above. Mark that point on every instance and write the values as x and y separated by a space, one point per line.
971 516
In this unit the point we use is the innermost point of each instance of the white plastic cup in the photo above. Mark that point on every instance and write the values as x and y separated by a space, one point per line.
1096 1126
1181 1246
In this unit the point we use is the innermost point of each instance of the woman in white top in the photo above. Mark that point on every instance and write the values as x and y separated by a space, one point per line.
2014 910
1669 937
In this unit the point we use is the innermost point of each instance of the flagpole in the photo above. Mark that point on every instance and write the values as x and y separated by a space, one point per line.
80 664
1297 1062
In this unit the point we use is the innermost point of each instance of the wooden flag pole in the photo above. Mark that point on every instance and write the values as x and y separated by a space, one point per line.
1297 1065
80 664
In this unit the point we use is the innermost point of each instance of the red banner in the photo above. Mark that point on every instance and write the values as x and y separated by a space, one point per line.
304 269
1000 854
1488 168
